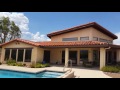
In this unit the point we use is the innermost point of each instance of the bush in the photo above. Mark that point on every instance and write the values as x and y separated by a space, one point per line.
19 64
39 65
9 62
113 69
47 65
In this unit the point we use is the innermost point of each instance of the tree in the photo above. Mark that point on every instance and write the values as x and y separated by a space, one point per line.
14 31
8 30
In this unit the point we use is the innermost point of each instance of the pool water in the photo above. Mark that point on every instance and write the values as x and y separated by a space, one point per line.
17 74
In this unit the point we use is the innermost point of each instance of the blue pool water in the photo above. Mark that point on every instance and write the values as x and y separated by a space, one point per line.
16 74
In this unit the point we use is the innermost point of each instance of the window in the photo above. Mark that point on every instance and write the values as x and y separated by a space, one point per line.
28 55
20 55
95 38
84 54
70 39
7 53
105 40
84 38
13 54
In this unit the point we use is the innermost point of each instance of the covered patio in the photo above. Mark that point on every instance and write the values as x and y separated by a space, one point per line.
97 53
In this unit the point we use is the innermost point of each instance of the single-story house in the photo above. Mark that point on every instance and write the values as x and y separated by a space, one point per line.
90 42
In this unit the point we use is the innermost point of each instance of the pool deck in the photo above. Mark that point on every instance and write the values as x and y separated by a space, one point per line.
79 72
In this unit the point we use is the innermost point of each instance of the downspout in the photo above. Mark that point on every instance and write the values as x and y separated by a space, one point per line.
108 46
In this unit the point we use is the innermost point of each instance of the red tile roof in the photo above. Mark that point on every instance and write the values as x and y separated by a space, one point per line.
91 24
60 44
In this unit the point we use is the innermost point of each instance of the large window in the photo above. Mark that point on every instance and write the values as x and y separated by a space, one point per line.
95 38
70 39
84 54
13 54
7 53
28 55
20 55
84 38
105 40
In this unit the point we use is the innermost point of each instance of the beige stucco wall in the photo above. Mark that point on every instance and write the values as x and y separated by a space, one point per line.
80 33
96 33
56 55
37 53
40 53
91 32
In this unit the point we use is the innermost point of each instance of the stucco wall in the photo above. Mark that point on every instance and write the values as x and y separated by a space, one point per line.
91 32
80 33
56 55
40 52
20 45
96 33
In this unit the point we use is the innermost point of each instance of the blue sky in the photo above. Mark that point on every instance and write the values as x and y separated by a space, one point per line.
46 22
36 25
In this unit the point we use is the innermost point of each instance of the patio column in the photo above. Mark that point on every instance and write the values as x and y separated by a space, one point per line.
118 55
10 53
16 55
66 56
24 55
90 54
102 57
78 57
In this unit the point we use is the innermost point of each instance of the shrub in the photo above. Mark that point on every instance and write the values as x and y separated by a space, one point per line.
47 65
19 64
24 64
39 65
10 61
110 69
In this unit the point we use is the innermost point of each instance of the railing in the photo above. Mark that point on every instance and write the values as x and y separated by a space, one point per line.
68 64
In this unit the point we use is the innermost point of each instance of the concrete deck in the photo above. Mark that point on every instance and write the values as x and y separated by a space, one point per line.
79 72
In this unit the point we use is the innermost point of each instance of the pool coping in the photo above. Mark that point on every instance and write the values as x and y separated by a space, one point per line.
15 69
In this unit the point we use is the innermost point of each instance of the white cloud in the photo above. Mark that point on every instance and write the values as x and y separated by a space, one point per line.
34 37
117 41
22 21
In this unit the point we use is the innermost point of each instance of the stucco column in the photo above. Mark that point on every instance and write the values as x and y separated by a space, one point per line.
10 53
24 55
16 55
90 54
78 57
102 57
66 56
118 55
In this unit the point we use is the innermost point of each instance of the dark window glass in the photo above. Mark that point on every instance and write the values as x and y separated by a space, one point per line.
84 38
7 53
28 55
70 39
95 38
20 55
84 54
13 54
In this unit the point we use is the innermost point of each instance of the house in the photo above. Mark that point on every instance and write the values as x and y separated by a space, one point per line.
90 42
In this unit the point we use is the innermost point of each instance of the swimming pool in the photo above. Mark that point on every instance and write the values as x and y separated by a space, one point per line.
18 74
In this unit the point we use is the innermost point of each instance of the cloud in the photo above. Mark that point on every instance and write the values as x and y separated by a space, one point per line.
34 37
22 21
117 41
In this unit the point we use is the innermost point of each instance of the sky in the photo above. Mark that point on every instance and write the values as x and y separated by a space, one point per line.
36 25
